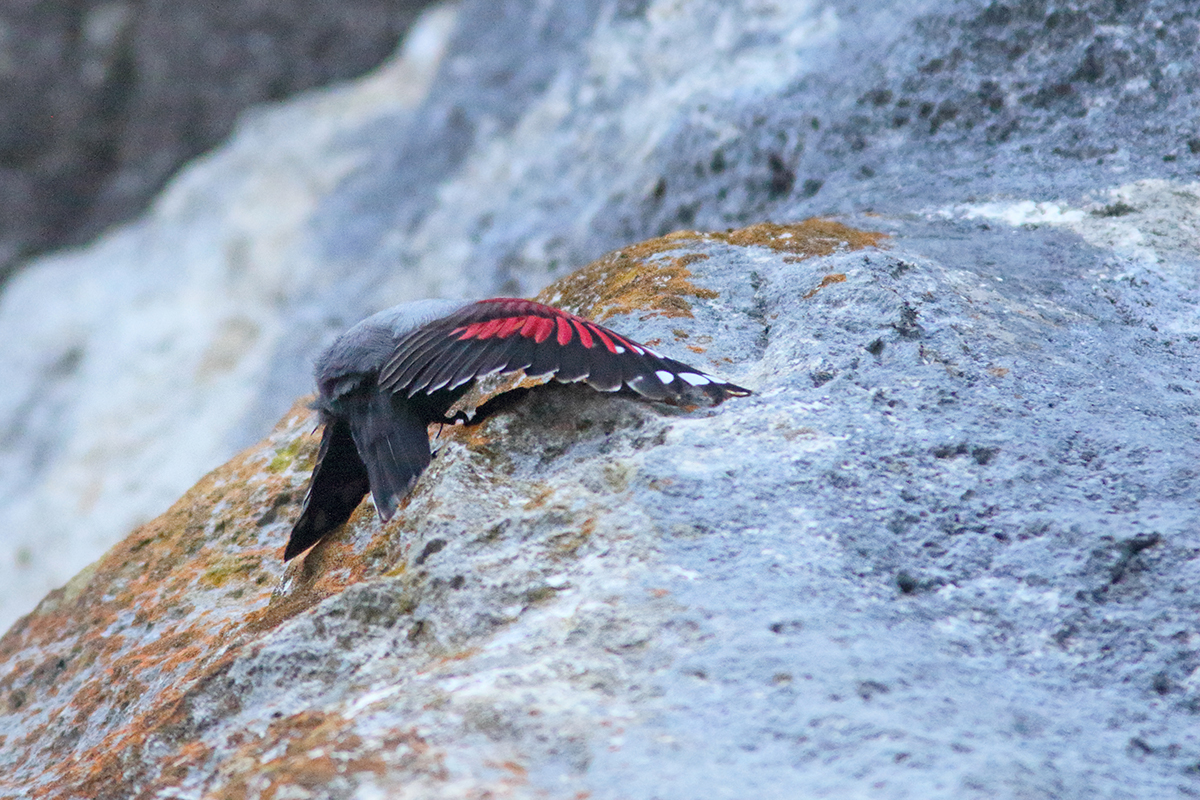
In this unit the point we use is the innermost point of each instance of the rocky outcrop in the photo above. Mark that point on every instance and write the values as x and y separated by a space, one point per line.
945 550
546 137
934 554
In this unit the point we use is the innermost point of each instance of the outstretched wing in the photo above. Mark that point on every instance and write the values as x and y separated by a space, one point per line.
507 334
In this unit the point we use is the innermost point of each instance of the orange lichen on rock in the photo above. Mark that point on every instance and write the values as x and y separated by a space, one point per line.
639 278
645 278
808 239
162 613
320 752
836 277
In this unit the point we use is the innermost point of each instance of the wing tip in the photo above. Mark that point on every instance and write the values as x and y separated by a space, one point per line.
733 390
292 550
304 537
683 384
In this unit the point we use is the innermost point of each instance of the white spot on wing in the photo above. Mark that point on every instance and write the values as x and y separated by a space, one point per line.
664 376
618 349
694 379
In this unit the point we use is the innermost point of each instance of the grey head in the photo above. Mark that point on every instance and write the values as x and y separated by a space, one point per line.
361 352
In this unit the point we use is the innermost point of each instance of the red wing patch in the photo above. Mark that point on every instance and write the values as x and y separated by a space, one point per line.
538 322
508 334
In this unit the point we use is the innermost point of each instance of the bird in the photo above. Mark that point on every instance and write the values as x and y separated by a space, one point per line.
385 380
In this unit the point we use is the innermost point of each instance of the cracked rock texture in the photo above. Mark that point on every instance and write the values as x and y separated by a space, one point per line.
949 548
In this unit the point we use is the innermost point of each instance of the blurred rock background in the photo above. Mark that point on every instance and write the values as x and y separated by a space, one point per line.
1039 160
101 102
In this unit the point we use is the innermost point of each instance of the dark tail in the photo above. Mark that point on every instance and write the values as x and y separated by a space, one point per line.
339 483
372 444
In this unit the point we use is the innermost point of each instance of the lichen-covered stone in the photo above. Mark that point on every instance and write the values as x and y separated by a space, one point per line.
947 549
507 145
930 556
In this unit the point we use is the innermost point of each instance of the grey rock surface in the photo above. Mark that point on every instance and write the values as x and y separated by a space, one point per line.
948 548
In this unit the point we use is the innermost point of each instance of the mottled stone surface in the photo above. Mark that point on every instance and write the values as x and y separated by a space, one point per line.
939 553
551 132
130 363
946 550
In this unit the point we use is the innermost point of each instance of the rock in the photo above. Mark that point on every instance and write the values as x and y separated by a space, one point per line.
945 550
544 140
936 554
132 364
